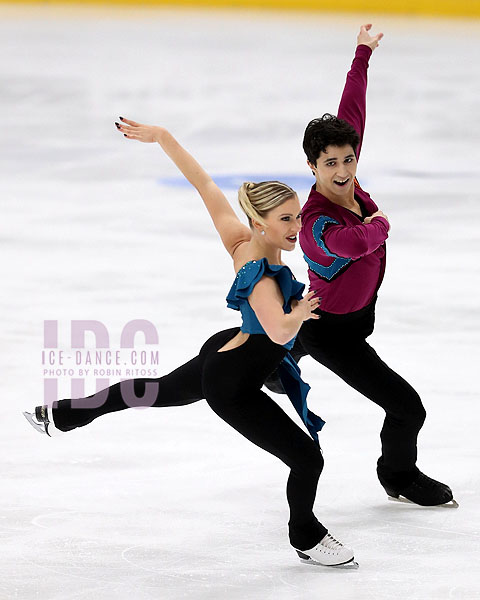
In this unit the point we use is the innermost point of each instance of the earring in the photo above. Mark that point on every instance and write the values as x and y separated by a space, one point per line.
262 232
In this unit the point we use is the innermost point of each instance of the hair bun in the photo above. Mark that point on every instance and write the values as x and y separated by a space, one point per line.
257 199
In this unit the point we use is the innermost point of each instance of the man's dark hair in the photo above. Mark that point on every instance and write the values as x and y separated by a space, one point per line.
328 131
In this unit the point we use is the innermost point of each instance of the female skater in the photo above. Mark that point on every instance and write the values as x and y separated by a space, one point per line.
343 239
233 364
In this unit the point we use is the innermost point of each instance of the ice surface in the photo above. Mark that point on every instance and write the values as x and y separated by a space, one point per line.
172 503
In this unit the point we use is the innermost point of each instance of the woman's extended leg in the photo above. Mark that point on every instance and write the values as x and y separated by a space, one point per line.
180 387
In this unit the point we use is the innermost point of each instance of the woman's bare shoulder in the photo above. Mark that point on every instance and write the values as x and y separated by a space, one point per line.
243 254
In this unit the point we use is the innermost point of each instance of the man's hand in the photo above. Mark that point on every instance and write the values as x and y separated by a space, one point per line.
379 213
368 40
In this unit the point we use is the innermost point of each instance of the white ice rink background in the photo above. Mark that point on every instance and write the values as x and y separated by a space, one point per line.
172 503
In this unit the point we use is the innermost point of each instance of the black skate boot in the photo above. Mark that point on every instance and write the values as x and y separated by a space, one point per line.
41 420
423 490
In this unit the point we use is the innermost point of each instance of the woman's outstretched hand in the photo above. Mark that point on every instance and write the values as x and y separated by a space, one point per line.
308 304
139 132
365 38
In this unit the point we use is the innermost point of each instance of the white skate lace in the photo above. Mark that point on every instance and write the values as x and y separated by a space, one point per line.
331 543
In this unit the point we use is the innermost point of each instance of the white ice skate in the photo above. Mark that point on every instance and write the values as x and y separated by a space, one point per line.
42 421
329 552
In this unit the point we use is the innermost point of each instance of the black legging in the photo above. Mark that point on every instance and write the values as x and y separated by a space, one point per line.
230 381
339 343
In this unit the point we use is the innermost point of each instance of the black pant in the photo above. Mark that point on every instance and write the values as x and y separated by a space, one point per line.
339 343
230 381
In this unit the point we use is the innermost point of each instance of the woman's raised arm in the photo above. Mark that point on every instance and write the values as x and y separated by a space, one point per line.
231 230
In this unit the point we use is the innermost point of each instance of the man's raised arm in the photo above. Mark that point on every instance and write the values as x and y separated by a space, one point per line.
352 106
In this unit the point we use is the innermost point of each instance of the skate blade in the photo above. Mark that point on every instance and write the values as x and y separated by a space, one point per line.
31 419
348 566
451 504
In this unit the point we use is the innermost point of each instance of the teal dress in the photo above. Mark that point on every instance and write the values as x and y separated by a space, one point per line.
247 277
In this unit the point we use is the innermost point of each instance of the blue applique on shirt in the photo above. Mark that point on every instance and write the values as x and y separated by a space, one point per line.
338 264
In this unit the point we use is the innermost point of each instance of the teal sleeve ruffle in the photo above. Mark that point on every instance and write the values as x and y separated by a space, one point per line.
251 273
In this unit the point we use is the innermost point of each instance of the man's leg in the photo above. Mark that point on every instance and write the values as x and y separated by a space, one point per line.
272 382
357 363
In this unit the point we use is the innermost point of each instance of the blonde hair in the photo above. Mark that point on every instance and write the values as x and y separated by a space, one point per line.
257 199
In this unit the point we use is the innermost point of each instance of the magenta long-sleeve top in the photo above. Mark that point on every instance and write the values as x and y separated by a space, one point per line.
345 257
